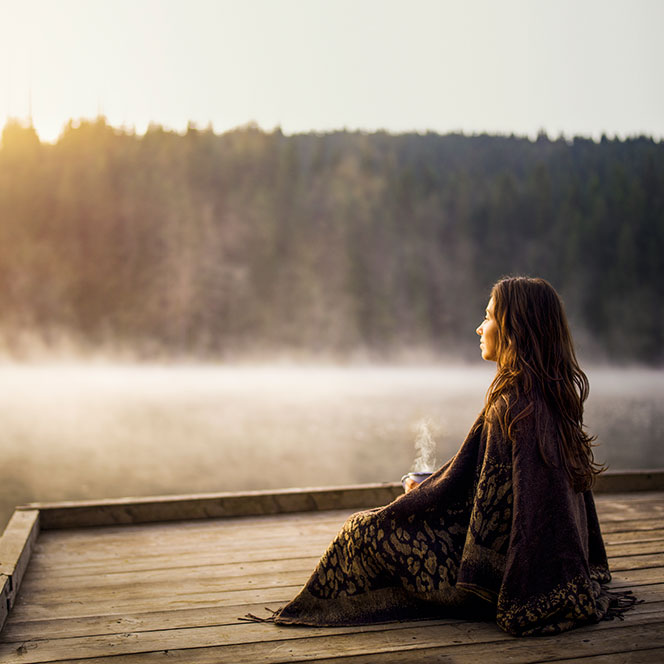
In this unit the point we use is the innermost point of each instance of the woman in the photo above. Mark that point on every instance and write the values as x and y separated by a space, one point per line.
506 529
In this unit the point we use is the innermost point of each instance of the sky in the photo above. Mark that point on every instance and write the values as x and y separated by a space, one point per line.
571 67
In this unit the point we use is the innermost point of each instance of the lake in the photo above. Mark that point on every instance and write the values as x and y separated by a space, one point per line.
97 431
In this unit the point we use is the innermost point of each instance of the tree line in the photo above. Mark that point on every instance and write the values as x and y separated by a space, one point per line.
227 245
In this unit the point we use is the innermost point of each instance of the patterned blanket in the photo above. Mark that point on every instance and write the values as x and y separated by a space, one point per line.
496 533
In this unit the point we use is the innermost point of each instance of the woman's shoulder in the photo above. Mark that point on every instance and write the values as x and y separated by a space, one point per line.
509 402
521 413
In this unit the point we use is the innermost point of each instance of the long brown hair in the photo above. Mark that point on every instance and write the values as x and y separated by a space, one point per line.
537 365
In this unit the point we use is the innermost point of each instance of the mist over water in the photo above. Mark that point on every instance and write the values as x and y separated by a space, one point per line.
95 431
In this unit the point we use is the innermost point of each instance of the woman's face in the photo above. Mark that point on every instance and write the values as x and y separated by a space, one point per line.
488 331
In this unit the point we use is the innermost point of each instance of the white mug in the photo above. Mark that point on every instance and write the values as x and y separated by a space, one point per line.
416 477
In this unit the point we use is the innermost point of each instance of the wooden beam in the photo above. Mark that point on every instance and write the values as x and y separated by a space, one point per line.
203 506
617 481
16 546
17 540
4 599
250 503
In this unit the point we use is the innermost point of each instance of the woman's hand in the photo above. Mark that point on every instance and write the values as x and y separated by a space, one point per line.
409 485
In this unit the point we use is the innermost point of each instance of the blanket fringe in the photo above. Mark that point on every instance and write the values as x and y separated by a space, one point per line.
250 617
619 603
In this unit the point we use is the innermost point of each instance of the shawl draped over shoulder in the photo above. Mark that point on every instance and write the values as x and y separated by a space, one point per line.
495 533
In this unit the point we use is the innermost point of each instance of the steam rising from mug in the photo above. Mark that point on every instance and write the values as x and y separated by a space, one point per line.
425 448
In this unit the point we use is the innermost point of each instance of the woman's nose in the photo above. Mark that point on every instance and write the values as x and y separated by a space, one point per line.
479 329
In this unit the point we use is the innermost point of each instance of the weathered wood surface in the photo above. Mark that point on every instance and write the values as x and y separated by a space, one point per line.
16 544
173 592
4 599
206 506
17 541
614 481
412 642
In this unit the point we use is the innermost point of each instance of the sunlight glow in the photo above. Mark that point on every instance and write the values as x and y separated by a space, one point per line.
514 66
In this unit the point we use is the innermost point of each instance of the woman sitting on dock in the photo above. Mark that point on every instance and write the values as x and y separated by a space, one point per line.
505 530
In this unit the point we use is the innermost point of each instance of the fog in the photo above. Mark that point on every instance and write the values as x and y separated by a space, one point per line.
78 431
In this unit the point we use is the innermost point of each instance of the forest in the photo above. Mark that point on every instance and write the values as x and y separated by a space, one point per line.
252 243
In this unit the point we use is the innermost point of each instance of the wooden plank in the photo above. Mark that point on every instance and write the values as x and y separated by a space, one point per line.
604 503
65 565
652 594
196 576
4 599
178 594
637 644
98 544
17 540
110 622
168 599
70 565
624 563
633 548
630 537
99 554
634 577
627 510
16 546
457 641
204 506
200 527
630 480
648 656
155 532
633 496
631 526
61 571
46 650
138 538
501 654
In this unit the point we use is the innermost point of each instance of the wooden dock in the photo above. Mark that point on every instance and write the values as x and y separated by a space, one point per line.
165 580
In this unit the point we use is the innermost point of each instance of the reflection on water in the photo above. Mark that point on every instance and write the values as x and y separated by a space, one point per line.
75 432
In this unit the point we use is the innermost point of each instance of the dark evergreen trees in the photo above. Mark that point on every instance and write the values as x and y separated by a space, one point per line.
221 245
